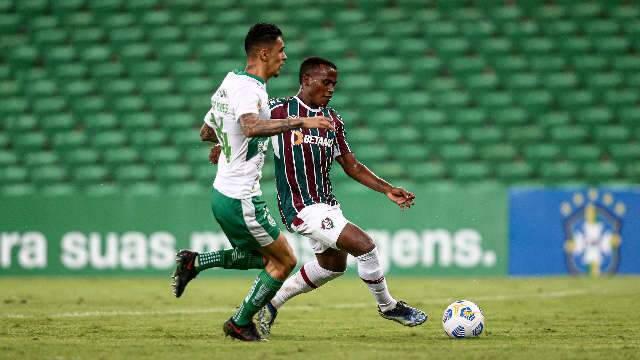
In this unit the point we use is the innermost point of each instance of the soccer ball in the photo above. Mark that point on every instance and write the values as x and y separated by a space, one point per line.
463 319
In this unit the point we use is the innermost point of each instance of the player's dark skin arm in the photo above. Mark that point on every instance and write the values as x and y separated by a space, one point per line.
207 134
253 126
366 177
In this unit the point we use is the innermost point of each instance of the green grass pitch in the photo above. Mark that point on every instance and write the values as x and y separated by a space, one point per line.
138 318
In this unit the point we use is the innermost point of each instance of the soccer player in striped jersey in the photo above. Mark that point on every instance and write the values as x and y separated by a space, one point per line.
303 159
239 122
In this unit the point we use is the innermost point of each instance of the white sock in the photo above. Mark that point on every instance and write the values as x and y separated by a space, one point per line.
370 272
310 276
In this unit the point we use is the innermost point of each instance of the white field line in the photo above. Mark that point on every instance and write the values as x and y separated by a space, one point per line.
433 301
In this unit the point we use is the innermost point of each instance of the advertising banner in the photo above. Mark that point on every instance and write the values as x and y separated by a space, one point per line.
575 231
457 232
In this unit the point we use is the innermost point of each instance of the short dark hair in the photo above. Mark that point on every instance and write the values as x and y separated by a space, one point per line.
260 34
312 63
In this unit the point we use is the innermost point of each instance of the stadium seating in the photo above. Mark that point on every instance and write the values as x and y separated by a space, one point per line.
107 96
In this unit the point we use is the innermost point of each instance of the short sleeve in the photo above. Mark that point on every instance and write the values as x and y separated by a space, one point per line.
246 100
208 118
340 146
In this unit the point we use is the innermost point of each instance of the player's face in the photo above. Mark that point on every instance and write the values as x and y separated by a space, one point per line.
276 57
321 84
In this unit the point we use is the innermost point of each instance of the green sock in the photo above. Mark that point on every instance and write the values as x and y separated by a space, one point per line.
264 289
230 259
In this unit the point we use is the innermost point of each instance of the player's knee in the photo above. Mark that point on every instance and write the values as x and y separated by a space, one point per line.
289 263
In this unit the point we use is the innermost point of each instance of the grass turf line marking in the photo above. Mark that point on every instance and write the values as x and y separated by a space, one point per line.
556 294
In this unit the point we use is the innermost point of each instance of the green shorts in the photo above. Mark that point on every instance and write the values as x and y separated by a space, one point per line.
247 223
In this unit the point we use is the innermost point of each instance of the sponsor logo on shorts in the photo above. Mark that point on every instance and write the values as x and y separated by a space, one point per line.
327 224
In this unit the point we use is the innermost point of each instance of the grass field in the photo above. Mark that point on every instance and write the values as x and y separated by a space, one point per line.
105 318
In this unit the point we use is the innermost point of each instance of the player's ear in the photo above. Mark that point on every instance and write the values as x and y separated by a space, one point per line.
263 54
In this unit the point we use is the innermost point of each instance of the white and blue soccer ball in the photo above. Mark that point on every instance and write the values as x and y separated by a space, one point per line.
463 319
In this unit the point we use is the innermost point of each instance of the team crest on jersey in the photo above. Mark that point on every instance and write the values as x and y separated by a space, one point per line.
592 226
327 224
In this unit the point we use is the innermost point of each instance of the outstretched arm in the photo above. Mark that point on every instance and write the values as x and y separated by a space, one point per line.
366 177
253 126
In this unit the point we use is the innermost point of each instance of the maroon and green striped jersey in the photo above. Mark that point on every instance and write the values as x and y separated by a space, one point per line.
303 157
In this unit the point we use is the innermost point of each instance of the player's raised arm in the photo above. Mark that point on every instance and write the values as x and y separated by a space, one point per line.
253 126
366 177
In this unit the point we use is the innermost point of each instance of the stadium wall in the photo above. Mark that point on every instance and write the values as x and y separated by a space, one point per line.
460 231
456 231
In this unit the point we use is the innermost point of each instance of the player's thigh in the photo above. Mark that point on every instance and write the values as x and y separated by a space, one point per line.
355 241
247 223
332 259
321 224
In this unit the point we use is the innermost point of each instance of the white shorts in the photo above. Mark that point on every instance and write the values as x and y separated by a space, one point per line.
321 224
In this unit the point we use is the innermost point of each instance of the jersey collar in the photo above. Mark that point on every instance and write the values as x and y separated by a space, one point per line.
242 72
307 106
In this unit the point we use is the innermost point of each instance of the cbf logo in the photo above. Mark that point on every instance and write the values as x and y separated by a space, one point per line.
592 226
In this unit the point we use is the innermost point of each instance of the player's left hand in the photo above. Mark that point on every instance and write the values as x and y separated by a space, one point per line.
402 197
214 154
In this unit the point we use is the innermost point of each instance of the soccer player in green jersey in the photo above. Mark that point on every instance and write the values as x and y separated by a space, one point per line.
239 120
303 159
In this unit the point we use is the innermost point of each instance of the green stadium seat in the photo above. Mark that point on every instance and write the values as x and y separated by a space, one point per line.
575 100
525 134
168 103
554 118
78 88
494 100
12 174
138 121
421 172
90 174
130 174
510 116
29 142
172 173
498 152
485 135
390 171
569 134
128 105
512 172
99 122
161 155
632 172
120 156
59 54
85 37
19 189
88 106
371 153
409 154
456 152
468 116
611 134
149 138
96 54
82 156
69 140
601 171
188 188
541 152
108 71
594 116
584 153
109 139
7 158
4 140
442 135
58 189
102 189
470 171
556 172
36 159
535 100
625 153
48 174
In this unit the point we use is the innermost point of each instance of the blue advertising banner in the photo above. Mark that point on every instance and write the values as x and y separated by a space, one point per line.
575 231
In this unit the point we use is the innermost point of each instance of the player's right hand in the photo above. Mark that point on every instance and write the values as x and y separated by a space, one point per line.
214 154
317 122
